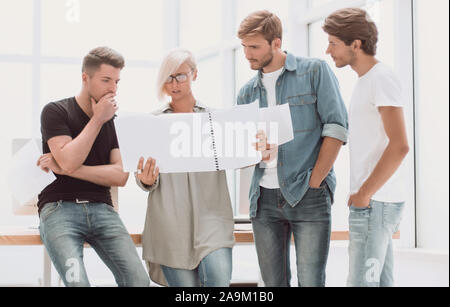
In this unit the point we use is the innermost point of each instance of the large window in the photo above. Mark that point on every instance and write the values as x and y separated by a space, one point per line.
41 63
47 40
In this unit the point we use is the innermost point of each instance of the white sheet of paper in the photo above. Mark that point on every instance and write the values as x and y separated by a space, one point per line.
236 133
26 179
277 124
141 135
280 116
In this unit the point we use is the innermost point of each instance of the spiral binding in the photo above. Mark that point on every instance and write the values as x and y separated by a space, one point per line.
216 157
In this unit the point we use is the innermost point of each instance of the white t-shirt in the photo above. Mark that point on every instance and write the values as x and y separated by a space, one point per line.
367 138
270 178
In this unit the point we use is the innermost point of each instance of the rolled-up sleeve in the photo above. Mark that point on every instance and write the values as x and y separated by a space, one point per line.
335 131
330 105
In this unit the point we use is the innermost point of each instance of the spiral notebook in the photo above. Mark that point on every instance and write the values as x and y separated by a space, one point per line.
198 142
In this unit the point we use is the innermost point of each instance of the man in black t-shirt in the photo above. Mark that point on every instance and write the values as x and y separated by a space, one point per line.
81 148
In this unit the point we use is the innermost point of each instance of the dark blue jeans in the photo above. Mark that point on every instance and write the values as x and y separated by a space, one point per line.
309 222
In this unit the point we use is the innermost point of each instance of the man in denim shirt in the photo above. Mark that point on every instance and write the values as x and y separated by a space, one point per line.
295 194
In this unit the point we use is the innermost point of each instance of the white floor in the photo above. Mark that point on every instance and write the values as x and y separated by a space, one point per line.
22 266
412 268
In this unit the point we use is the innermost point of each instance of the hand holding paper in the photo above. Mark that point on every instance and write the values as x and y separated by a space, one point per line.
148 174
48 163
268 151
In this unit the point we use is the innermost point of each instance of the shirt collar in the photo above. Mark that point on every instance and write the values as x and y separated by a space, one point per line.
290 65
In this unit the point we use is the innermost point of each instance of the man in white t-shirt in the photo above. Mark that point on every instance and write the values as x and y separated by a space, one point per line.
378 145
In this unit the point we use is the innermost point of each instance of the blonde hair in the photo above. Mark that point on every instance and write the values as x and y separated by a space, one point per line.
169 66
261 22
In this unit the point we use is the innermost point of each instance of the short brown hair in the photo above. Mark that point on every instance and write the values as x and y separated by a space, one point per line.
352 24
102 55
261 22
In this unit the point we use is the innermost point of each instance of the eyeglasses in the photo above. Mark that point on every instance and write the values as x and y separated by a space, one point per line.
182 77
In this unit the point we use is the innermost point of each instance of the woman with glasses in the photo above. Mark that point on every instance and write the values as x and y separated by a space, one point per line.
188 234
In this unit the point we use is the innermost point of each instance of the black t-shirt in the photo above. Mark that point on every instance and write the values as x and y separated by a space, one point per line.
65 117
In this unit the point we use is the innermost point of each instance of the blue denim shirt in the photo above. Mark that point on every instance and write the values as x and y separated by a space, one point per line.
317 111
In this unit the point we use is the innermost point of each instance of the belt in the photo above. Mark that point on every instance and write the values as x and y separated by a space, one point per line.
82 201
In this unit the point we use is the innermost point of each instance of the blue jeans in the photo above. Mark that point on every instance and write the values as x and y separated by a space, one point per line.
213 271
309 221
370 250
66 226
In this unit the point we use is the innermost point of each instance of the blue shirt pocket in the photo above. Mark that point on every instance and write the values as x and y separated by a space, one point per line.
304 113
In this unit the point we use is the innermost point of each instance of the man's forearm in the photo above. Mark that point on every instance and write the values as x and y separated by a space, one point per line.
327 156
389 162
105 175
74 153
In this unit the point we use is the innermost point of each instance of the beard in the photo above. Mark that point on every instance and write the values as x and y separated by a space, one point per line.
265 61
